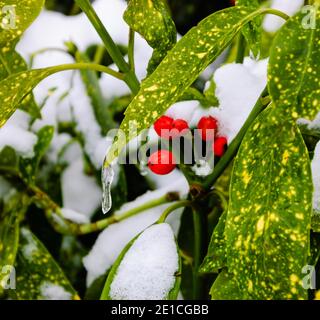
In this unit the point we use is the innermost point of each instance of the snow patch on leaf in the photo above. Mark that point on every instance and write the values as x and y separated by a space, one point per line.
147 271
51 291
112 240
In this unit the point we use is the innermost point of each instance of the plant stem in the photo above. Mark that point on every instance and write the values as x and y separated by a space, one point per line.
64 226
131 50
234 146
91 66
113 50
98 56
168 211
199 225
275 12
102 224
241 49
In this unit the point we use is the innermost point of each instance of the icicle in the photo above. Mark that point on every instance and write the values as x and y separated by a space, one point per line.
107 178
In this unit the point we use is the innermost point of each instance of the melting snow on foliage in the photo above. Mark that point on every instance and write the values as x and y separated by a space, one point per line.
147 270
74 216
15 134
51 291
112 240
315 166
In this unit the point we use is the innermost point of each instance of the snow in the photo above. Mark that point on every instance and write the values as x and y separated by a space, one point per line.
312 125
19 139
271 22
182 110
80 192
30 247
315 166
51 291
74 216
202 168
147 270
113 239
238 87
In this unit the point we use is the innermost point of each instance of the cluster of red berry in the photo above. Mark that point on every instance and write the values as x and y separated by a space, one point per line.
163 162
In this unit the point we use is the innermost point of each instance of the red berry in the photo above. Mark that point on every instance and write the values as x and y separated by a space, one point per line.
162 162
208 126
219 146
179 126
168 128
163 126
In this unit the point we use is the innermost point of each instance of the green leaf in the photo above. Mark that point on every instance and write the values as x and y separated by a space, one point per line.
25 12
269 216
11 62
17 86
217 254
294 68
253 30
10 218
152 20
37 272
179 69
9 161
171 295
210 94
29 167
225 287
315 222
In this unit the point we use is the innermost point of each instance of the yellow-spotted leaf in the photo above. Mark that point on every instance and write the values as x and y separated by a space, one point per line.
15 88
294 66
10 217
38 276
29 167
225 287
217 253
179 69
269 215
15 18
252 31
10 63
152 20
148 268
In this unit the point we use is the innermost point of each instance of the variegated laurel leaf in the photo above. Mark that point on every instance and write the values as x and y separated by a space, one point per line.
268 222
38 276
10 217
152 20
225 287
179 69
15 18
294 67
252 31
216 257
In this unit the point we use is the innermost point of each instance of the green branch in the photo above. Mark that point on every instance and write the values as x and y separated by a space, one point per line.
169 210
91 66
64 226
131 50
112 48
